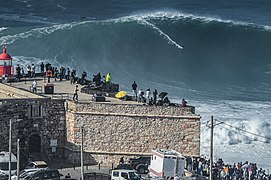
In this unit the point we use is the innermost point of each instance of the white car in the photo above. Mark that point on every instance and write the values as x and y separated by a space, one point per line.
4 161
124 174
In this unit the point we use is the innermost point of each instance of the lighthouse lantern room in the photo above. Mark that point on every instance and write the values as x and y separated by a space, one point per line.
6 69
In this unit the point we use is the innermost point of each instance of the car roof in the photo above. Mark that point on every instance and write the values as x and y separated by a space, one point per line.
39 163
29 170
45 171
124 170
48 170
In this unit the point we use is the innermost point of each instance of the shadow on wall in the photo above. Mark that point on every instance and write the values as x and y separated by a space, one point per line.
71 158
73 155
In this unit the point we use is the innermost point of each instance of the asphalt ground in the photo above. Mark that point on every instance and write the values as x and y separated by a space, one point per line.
75 172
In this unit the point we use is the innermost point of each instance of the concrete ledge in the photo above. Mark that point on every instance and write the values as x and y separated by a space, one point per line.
137 115
111 153
8 92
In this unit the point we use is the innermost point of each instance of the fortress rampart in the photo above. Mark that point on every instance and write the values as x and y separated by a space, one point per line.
131 129
36 122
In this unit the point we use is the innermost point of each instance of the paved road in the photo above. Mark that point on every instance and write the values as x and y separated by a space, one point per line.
76 172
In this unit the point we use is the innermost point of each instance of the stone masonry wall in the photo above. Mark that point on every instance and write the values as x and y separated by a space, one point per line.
115 130
42 117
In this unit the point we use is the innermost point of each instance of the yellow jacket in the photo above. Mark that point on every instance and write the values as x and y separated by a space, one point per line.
108 78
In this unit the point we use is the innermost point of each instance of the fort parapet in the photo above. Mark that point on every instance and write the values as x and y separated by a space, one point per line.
114 130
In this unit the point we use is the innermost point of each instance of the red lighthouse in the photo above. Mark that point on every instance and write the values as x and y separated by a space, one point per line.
6 68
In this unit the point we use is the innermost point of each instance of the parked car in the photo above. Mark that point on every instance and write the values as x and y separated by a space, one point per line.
37 165
124 166
50 174
140 164
94 176
25 174
124 174
4 164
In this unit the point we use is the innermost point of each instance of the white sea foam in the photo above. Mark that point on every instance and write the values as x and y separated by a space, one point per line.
24 18
37 32
269 71
206 19
245 134
176 15
144 20
3 29
170 40
61 7
23 1
24 61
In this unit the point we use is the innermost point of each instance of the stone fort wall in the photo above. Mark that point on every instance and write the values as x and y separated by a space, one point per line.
115 130
111 131
35 122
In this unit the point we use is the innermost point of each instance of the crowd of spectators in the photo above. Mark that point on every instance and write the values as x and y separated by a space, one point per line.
226 171
98 81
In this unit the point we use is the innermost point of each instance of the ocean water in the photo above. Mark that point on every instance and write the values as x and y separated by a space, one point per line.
215 54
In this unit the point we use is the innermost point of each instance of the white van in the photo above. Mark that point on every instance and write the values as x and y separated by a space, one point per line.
4 163
166 164
124 174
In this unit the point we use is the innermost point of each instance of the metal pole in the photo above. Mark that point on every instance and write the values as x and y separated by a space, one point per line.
18 159
9 163
82 158
211 148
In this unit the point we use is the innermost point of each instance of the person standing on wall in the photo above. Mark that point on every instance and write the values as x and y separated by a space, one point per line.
75 95
103 80
42 68
28 69
155 96
22 72
18 72
33 68
140 95
34 86
73 74
184 103
68 74
55 73
108 78
49 74
134 86
148 92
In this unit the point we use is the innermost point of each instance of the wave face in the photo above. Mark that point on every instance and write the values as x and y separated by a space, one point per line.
184 54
